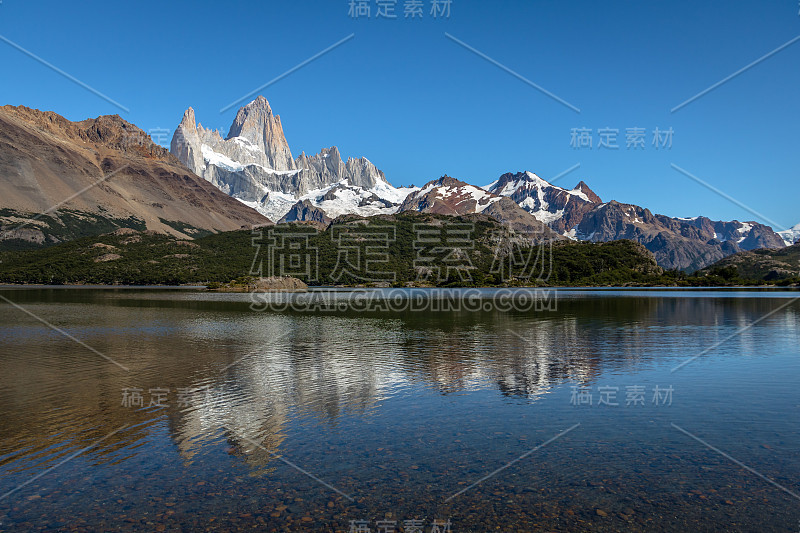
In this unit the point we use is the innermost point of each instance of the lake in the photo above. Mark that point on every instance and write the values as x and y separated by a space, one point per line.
562 410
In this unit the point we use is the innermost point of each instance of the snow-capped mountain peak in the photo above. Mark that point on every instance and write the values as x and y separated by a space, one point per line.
551 204
448 195
254 165
791 235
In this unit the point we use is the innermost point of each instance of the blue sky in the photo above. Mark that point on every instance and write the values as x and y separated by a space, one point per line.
420 105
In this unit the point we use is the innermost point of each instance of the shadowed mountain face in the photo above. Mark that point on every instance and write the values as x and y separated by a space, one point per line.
100 173
684 244
304 211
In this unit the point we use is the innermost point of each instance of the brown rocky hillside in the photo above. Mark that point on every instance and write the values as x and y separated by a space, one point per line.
46 159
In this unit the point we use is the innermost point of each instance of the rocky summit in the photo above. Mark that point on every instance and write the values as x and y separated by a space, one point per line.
305 212
254 164
560 208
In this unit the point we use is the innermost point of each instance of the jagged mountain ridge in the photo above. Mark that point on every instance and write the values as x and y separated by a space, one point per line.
46 158
677 243
254 164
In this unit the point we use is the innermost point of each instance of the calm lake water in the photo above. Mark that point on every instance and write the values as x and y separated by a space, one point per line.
605 410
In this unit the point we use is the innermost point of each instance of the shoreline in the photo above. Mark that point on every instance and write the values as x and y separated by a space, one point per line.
352 288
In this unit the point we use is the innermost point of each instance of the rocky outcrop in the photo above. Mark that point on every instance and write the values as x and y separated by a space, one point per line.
186 142
747 235
582 188
270 284
449 196
107 257
519 220
677 244
256 123
327 167
279 283
305 211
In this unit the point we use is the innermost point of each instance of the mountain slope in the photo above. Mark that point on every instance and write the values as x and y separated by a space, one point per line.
678 243
104 171
766 264
130 257
675 244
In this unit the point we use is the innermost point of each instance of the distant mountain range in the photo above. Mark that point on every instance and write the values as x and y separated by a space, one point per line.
101 174
677 243
253 163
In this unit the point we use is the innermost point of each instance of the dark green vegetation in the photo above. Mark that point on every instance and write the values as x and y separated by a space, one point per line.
32 231
416 248
185 228
776 266
29 231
